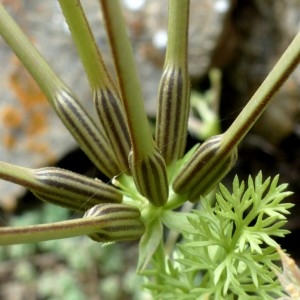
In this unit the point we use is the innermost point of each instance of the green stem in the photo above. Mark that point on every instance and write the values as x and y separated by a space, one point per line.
174 88
106 96
178 32
104 223
130 87
92 139
51 231
85 44
145 161
61 187
216 156
18 175
260 100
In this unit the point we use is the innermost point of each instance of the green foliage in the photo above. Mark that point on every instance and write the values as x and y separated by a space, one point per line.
229 251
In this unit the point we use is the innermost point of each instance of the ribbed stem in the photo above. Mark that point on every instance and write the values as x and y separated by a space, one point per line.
112 225
106 97
123 222
112 117
149 178
262 97
91 138
144 153
61 187
140 133
204 170
174 89
217 155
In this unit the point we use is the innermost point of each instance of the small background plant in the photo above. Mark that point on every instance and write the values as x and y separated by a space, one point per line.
229 250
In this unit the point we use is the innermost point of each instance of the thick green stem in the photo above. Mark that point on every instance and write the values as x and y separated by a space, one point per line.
106 96
140 133
263 96
174 88
214 158
85 44
90 137
146 163
61 187
51 231
104 223
178 24
18 175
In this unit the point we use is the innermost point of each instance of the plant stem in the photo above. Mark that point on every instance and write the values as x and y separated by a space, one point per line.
105 94
51 231
61 187
147 165
86 45
178 24
174 88
260 100
90 137
140 133
217 155
18 175
104 223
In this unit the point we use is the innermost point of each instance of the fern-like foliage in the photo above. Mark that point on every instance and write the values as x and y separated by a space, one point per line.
229 252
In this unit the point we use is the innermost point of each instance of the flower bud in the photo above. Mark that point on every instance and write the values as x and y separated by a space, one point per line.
112 117
61 187
150 177
173 110
120 222
205 169
72 190
91 138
